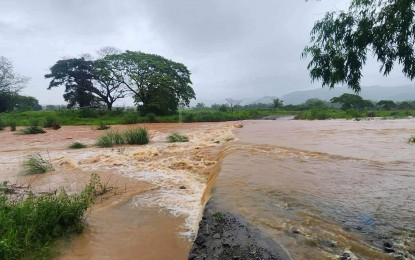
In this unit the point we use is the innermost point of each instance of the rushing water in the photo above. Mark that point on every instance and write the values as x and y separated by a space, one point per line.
323 188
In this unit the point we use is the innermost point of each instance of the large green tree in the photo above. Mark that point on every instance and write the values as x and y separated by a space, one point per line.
76 75
349 101
157 84
11 84
341 41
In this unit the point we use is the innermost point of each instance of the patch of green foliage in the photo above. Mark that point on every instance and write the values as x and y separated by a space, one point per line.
77 145
110 139
33 127
411 140
2 124
217 216
102 126
35 164
177 137
51 122
136 136
30 227
13 125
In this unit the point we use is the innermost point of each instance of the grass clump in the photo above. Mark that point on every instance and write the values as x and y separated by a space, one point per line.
217 216
102 126
13 125
411 140
2 124
51 122
33 127
35 164
110 139
29 227
136 136
77 145
177 138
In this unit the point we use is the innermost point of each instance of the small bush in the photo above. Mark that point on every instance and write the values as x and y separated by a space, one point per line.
177 137
371 114
189 117
77 145
218 216
51 122
13 125
35 164
151 117
33 128
110 139
131 119
2 124
411 140
102 126
136 136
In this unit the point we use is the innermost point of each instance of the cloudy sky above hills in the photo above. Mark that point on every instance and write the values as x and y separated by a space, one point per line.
241 49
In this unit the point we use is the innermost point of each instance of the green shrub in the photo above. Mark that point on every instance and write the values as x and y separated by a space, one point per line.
51 122
177 137
29 227
102 126
217 216
151 117
13 125
130 119
136 136
77 145
2 124
110 139
189 117
88 113
411 140
371 114
33 127
35 164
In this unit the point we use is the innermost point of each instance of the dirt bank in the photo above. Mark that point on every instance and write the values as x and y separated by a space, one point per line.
223 235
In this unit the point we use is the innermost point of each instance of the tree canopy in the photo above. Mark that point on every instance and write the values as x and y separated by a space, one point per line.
11 84
341 41
158 85
349 101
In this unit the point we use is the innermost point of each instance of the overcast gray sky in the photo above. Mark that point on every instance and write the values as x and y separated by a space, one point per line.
234 48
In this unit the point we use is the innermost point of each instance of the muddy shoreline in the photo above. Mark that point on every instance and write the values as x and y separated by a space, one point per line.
223 235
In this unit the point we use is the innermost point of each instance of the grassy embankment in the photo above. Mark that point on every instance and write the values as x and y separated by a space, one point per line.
103 117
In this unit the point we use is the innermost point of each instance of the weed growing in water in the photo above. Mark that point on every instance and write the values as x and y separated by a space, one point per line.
29 227
77 145
33 128
217 216
13 125
51 122
35 164
2 124
102 126
411 140
177 137
136 136
110 139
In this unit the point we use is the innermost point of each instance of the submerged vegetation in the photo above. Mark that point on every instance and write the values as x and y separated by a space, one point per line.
177 137
35 164
33 127
77 145
29 227
411 140
131 136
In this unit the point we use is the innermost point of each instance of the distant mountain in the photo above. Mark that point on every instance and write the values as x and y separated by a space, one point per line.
375 93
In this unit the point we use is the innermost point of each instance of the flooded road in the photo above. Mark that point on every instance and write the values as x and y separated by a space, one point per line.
325 189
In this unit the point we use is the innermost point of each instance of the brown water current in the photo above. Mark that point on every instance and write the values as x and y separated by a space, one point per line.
154 211
325 189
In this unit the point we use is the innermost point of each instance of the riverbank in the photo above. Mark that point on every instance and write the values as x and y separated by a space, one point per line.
223 235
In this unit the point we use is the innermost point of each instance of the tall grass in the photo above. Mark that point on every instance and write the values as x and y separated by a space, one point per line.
77 145
51 122
33 127
131 136
29 228
13 125
35 164
2 124
136 136
177 137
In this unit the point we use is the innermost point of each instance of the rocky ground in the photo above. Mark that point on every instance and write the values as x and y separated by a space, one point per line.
223 235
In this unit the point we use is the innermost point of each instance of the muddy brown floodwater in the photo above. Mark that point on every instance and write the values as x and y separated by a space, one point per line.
155 210
324 189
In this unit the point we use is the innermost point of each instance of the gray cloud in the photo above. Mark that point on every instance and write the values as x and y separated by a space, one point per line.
237 49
